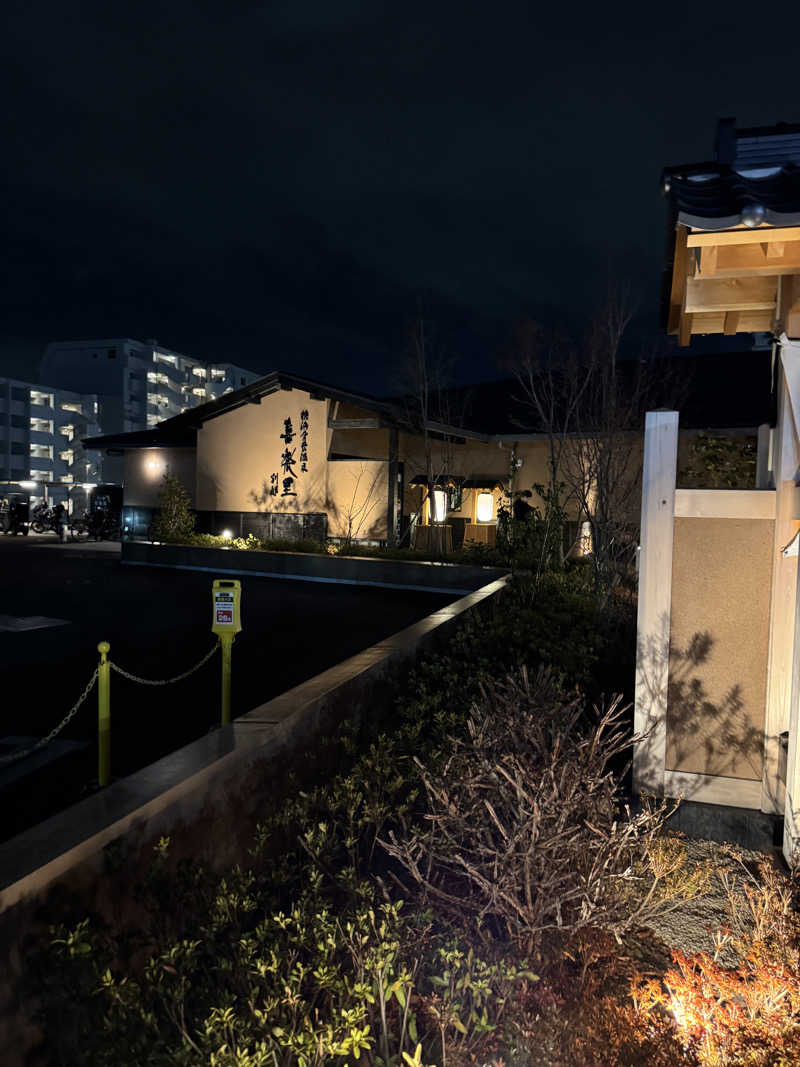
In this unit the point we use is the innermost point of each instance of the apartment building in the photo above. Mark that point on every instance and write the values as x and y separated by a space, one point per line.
139 383
41 432
115 385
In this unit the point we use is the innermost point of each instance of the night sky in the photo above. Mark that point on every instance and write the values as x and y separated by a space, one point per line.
284 184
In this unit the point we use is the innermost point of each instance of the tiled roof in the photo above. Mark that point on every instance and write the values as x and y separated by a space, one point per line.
755 179
716 196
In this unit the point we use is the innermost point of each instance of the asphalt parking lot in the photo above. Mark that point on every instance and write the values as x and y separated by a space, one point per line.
158 625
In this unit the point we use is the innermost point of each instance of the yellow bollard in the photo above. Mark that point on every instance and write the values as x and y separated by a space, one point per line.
104 715
226 623
226 641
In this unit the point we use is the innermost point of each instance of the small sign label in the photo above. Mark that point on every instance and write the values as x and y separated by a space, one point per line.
223 609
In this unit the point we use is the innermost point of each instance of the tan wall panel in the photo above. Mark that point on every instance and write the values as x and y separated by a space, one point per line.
145 469
721 581
368 444
358 496
238 452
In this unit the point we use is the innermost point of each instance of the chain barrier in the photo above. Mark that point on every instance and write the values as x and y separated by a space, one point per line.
164 681
13 756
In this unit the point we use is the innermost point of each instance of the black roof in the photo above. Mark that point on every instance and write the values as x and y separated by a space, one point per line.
755 168
181 430
715 196
161 436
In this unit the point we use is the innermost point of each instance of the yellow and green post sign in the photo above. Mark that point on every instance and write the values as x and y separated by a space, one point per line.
226 623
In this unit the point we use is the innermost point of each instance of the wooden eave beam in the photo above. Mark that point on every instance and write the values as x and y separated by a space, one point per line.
757 236
709 255
750 261
730 294
745 321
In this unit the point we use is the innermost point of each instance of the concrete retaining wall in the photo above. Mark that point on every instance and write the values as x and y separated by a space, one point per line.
302 566
207 796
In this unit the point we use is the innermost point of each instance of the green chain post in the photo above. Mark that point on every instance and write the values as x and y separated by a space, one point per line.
104 715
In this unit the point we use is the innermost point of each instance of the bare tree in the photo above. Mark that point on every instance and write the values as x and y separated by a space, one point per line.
591 406
363 501
426 411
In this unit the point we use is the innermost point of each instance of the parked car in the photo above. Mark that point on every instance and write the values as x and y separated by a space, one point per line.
14 511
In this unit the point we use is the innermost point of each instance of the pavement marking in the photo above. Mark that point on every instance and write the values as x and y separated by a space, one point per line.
18 623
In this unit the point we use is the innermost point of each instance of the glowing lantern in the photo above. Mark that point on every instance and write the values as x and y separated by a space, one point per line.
485 509
439 505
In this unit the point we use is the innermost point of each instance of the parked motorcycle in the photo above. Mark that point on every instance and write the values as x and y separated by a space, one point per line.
95 525
43 518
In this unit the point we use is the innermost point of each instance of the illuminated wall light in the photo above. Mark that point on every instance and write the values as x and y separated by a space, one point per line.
439 505
485 507
585 539
227 535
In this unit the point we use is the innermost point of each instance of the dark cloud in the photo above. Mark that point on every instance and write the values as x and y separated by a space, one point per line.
281 183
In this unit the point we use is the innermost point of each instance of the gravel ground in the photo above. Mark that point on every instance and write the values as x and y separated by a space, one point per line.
692 926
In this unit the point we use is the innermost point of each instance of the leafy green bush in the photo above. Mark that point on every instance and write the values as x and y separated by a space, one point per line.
329 979
175 520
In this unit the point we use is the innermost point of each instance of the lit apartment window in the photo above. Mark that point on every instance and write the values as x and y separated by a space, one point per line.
199 372
42 451
162 357
65 478
69 405
152 420
67 431
157 400
199 391
157 377
41 476
96 407
67 456
41 425
43 399
218 374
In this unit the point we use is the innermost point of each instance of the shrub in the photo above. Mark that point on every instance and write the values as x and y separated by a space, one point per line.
747 1014
523 830
175 521
329 980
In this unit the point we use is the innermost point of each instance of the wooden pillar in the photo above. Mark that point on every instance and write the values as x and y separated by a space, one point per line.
655 599
784 580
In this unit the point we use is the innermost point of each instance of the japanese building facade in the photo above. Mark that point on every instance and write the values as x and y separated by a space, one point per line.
286 457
